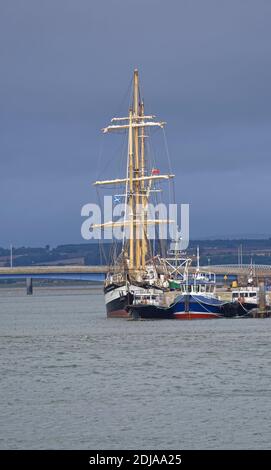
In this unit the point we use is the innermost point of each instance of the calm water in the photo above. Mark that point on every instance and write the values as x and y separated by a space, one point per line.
70 378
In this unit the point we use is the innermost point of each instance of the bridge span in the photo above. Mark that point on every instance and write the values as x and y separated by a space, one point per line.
73 273
63 273
93 273
97 273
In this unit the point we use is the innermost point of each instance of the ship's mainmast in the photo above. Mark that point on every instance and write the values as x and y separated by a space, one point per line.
137 182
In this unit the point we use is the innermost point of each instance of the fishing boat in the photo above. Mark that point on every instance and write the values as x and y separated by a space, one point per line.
191 294
136 269
248 297
194 299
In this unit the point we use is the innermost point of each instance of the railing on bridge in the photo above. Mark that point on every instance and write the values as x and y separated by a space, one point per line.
256 269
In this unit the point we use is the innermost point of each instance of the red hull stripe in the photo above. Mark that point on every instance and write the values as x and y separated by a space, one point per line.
195 315
118 314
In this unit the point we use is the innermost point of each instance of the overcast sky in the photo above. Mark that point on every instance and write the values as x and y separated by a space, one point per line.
65 66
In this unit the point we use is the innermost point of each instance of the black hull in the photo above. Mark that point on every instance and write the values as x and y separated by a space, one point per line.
118 299
236 309
117 308
150 312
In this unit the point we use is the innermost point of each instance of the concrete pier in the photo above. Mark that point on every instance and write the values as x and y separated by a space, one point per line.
262 297
29 286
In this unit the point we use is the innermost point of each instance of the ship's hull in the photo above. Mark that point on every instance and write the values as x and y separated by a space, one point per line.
237 309
119 297
187 307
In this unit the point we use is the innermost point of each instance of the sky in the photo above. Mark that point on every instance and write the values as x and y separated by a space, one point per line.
65 68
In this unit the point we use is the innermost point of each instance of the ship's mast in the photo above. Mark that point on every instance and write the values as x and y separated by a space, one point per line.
136 172
137 192
131 191
143 198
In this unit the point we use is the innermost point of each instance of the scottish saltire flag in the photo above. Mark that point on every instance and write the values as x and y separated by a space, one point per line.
116 199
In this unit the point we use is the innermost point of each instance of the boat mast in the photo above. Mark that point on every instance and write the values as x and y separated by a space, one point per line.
138 185
131 190
136 171
143 199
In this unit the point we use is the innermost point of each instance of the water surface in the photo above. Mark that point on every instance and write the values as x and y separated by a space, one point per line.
70 378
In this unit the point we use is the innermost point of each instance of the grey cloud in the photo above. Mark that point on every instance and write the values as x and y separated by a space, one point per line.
65 69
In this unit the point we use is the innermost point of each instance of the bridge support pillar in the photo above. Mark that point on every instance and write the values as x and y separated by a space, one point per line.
29 286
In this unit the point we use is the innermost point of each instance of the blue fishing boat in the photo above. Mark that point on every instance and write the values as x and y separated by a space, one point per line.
191 295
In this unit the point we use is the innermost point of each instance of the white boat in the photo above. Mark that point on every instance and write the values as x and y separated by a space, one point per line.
248 297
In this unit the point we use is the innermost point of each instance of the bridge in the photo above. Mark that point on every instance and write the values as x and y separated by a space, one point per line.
258 270
66 273
97 273
74 273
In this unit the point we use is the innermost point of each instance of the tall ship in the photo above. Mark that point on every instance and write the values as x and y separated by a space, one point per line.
142 281
137 269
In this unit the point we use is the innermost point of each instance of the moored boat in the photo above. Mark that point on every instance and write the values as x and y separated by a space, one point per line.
189 302
247 298
191 295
